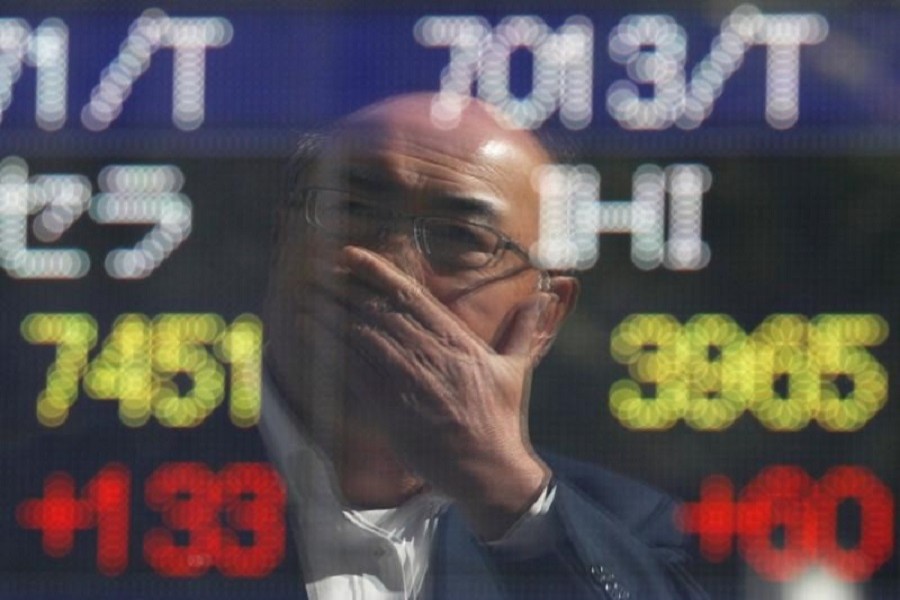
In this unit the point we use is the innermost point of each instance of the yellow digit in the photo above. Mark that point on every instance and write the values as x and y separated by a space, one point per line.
122 371
780 348
718 367
73 335
650 346
178 341
241 346
836 343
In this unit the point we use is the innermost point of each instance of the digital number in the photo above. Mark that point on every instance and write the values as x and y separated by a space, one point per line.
253 500
178 347
122 371
787 373
190 498
786 499
73 335
193 502
241 347
140 360
104 505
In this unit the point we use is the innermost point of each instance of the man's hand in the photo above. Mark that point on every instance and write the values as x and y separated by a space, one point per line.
454 407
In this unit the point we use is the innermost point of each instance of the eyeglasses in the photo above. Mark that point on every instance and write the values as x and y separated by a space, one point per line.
449 244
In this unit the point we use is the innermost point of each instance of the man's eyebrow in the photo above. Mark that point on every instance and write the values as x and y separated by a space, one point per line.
371 179
465 206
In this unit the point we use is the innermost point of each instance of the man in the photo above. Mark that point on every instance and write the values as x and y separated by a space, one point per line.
404 320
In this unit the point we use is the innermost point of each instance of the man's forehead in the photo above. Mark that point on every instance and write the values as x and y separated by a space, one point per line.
384 169
394 145
377 143
407 120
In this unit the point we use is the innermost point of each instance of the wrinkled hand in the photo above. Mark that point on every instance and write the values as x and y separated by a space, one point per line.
454 407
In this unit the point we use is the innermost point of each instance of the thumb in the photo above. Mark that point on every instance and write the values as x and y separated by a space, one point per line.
520 337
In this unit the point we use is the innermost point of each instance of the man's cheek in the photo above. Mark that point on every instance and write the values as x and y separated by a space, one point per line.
485 319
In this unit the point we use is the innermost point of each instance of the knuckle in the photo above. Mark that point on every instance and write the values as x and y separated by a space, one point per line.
408 292
376 304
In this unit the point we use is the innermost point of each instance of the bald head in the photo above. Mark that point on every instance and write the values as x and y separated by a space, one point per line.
477 124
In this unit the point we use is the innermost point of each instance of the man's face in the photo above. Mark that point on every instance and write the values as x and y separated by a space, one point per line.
393 157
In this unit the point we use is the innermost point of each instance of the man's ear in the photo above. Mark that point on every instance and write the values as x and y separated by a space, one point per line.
565 290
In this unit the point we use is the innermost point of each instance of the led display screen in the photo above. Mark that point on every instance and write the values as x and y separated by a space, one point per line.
725 189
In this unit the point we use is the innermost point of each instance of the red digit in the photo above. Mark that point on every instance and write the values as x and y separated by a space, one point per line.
876 536
778 498
110 493
189 497
253 498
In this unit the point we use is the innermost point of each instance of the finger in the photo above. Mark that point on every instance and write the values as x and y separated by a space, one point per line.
400 366
406 293
523 331
341 304
406 331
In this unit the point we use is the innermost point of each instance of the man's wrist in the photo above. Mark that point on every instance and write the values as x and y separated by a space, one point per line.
536 532
499 496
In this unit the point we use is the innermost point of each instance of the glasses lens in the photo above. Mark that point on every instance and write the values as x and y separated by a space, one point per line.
456 244
345 215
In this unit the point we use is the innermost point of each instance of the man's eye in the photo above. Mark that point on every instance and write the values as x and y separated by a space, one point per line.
459 236
458 244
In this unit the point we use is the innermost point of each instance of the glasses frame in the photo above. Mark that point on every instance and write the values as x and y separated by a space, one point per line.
504 242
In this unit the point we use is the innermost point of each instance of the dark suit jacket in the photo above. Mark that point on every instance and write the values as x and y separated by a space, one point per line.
620 542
